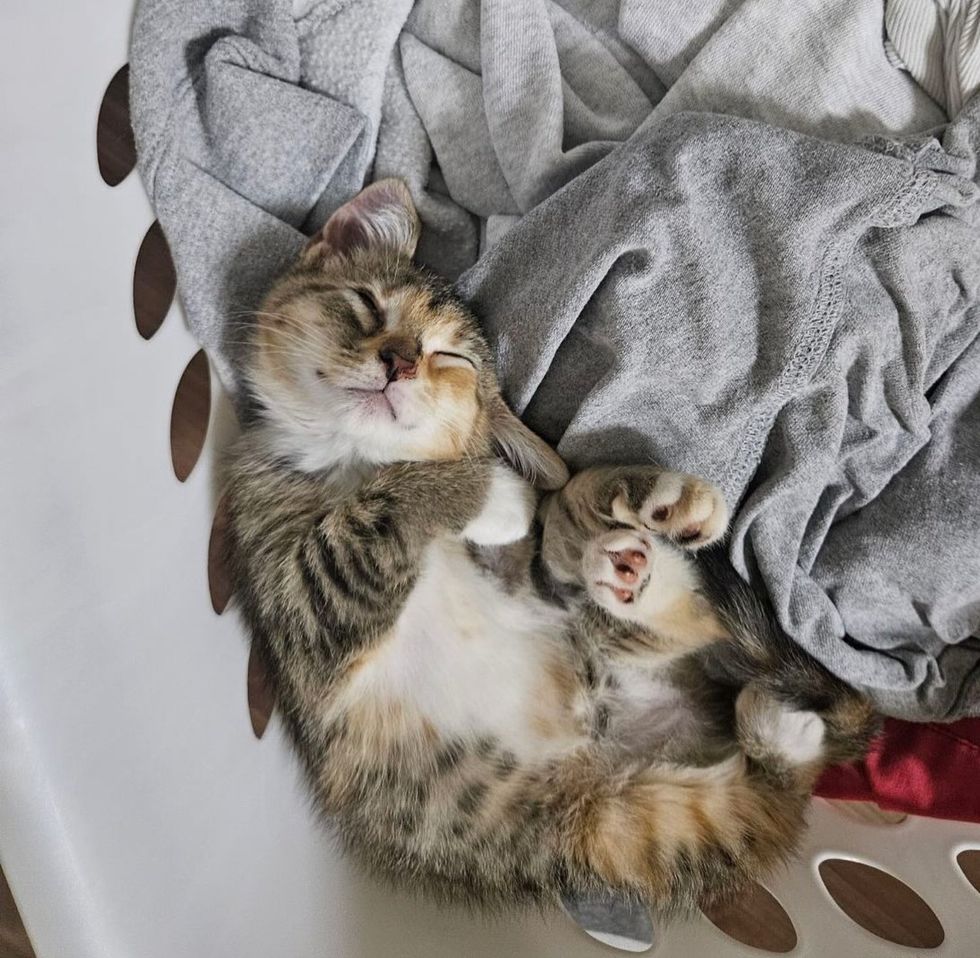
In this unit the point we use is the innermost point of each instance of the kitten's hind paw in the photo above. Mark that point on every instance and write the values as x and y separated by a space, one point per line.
616 569
685 509
765 726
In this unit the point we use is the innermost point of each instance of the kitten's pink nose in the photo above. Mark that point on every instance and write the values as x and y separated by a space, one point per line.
397 364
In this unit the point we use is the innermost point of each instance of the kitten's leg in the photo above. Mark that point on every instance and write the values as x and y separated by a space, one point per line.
360 558
682 508
622 533
787 742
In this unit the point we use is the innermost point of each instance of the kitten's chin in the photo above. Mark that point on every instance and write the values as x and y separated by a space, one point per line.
358 444
374 404
365 429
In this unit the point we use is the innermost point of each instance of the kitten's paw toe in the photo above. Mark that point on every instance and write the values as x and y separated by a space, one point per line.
508 511
616 568
766 724
688 510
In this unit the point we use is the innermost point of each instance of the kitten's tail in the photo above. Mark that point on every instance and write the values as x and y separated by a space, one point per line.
679 838
763 655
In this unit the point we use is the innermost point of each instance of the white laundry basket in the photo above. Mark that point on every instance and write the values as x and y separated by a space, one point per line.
139 815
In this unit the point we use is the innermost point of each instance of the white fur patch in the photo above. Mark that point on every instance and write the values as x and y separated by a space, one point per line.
508 512
797 735
470 658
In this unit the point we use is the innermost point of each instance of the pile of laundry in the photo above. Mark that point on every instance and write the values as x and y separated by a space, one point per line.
738 237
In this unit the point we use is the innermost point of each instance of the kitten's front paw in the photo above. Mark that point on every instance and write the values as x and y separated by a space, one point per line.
688 510
616 569
508 511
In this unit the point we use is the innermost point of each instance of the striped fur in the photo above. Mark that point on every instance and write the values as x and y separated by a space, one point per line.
497 724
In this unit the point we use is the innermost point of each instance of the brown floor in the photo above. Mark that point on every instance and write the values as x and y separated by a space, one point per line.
14 942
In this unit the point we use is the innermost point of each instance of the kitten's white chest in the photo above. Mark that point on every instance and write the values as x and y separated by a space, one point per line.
469 657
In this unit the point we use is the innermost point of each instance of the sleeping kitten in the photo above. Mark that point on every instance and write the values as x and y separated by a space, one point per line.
491 707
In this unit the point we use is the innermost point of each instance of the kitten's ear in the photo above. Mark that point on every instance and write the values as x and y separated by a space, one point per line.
381 219
530 455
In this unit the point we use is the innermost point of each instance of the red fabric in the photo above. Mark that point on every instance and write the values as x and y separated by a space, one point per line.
925 769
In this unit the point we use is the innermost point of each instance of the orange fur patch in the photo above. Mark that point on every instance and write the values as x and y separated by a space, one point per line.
690 622
555 715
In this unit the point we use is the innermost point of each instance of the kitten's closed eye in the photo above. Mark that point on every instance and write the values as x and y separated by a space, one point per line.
374 322
444 360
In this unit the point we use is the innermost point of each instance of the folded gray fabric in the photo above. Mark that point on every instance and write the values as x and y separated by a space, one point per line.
723 237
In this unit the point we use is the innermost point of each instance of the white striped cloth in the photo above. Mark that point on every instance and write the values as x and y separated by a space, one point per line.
938 42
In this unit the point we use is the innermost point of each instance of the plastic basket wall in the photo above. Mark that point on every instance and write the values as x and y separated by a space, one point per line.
140 812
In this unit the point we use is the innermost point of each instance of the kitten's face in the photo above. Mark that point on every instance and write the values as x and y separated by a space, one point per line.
380 357
358 355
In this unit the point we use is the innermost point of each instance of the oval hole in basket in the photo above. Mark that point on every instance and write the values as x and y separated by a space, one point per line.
755 918
261 701
881 903
114 142
617 923
219 575
154 282
189 416
969 862
13 934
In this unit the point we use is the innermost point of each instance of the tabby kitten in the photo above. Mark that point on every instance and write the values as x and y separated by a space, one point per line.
491 707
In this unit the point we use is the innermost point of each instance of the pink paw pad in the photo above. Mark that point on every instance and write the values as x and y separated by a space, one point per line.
627 565
620 566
